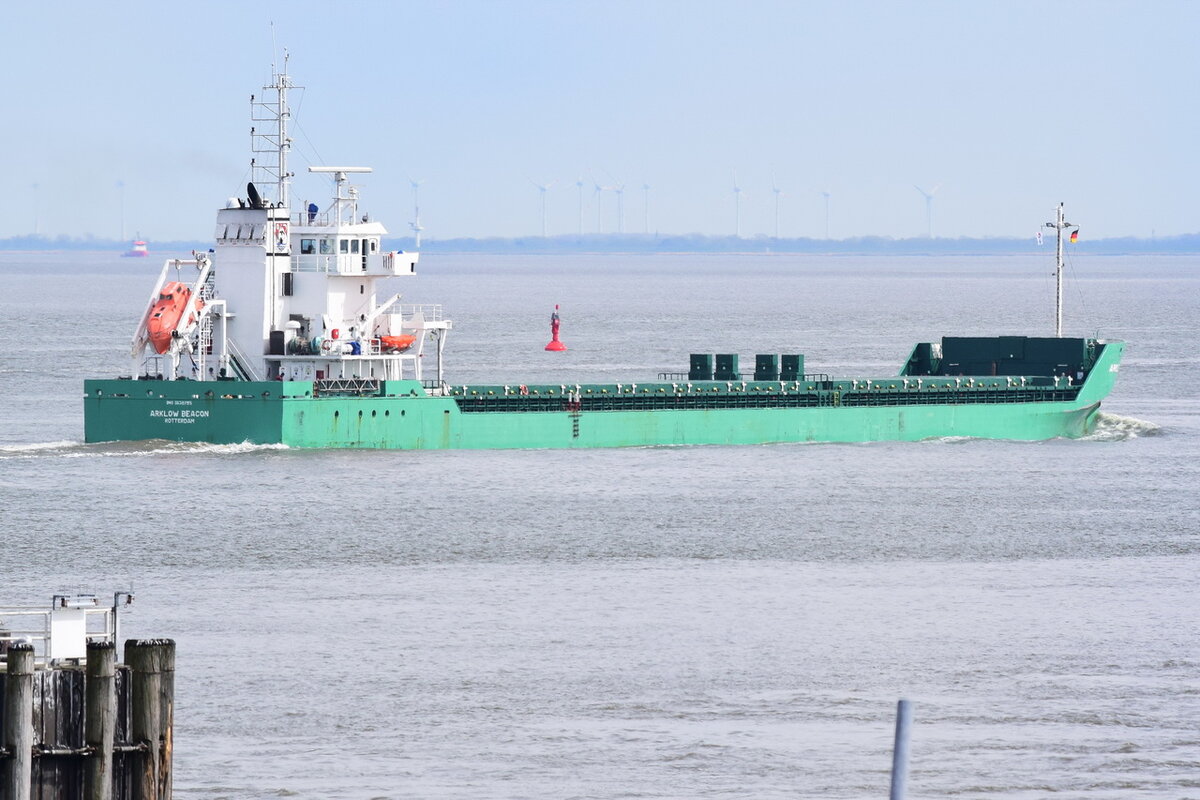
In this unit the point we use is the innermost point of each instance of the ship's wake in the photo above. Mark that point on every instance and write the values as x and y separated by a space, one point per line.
1115 428
1109 428
76 449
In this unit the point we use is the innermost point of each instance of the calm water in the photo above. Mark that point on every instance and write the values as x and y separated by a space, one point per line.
721 622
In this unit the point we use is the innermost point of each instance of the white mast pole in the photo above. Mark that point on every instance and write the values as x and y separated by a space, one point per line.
282 83
1060 224
1058 274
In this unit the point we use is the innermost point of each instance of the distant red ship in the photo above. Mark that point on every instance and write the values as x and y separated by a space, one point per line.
139 250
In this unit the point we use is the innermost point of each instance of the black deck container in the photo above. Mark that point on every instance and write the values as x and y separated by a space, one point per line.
766 367
791 367
727 367
700 367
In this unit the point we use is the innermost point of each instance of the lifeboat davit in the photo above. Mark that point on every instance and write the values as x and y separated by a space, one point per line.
166 314
396 344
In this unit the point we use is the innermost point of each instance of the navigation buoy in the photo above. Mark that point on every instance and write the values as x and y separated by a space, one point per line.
555 344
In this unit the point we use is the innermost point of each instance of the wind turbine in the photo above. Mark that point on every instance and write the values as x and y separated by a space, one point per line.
646 207
579 185
599 206
619 188
737 208
543 188
928 207
416 223
778 193
826 196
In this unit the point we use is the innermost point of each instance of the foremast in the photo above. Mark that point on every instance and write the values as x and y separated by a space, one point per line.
1060 224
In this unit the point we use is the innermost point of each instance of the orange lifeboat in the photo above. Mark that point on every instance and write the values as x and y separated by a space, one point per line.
396 344
166 314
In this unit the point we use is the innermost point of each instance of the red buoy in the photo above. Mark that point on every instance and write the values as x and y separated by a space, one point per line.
555 345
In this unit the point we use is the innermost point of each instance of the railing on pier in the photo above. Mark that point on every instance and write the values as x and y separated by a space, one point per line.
61 633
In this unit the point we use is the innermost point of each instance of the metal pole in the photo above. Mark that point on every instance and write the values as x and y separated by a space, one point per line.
1058 300
900 753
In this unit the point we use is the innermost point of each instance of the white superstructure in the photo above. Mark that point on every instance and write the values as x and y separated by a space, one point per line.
290 295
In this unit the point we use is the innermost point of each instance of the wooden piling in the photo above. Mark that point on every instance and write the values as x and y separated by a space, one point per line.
18 721
167 704
153 664
100 714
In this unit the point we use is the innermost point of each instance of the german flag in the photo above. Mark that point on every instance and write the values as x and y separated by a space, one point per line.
1074 236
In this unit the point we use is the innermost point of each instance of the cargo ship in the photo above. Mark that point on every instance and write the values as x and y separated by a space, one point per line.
278 336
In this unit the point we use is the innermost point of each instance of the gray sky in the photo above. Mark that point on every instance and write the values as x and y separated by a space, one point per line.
1009 106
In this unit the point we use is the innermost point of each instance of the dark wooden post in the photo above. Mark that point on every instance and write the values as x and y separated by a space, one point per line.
167 704
100 714
18 721
147 659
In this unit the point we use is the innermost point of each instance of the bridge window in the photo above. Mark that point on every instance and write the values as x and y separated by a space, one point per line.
343 246
327 247
308 247
354 245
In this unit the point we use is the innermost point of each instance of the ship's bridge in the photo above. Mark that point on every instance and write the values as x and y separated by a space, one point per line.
340 242
352 250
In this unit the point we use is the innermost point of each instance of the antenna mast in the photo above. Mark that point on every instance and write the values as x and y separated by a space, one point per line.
269 136
416 223
1060 224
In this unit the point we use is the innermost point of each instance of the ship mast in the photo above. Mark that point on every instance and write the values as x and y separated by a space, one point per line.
272 140
1060 224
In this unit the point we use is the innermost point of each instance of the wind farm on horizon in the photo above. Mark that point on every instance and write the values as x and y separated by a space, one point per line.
591 213
606 199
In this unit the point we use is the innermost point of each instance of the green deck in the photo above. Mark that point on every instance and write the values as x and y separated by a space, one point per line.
401 415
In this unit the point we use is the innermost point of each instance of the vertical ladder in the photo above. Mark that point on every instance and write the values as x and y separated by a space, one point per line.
204 343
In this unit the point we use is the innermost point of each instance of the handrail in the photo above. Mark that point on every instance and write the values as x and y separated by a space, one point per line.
62 631
241 364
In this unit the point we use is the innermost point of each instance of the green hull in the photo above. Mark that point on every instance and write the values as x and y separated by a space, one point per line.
402 416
